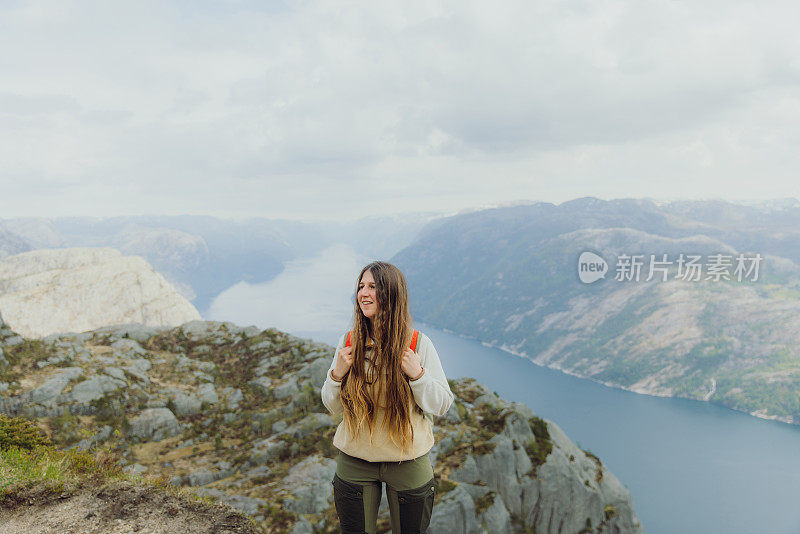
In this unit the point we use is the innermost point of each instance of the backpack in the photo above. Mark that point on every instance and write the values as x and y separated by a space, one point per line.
412 346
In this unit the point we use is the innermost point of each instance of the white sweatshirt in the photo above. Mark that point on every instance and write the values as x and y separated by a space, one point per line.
431 392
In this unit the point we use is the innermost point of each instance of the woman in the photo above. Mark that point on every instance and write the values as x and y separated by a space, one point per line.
387 381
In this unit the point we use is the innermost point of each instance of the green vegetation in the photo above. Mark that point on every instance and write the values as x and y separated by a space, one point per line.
22 358
610 512
484 503
598 476
66 428
493 419
30 461
541 447
28 458
111 411
18 432
444 485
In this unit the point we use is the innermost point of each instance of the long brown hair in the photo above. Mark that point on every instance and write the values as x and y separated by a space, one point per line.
391 332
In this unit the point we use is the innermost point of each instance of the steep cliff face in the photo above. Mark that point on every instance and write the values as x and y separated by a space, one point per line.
73 290
237 412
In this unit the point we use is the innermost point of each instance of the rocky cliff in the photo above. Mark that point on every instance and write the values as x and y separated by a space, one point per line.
73 290
237 412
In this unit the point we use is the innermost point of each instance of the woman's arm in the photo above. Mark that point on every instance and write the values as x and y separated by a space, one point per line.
331 388
431 390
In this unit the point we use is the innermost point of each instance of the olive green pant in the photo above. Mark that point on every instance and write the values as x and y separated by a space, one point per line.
409 491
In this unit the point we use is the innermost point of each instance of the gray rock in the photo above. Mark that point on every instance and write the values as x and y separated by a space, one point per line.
56 359
186 404
279 426
135 468
184 362
302 526
202 476
156 402
263 367
455 513
233 396
230 417
135 331
115 372
263 346
468 472
263 384
309 424
128 347
287 389
201 349
207 393
197 330
140 364
251 331
95 387
13 341
309 485
500 471
315 372
260 471
265 450
138 375
475 491
247 505
155 424
452 415
496 518
53 387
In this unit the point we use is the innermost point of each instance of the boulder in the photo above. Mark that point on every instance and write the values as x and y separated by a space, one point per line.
53 387
154 424
309 485
95 387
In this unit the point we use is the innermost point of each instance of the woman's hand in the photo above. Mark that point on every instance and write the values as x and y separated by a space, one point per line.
344 359
411 364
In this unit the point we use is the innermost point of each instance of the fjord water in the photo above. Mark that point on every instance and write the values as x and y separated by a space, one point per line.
691 467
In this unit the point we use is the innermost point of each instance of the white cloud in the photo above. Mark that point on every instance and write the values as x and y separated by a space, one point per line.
336 109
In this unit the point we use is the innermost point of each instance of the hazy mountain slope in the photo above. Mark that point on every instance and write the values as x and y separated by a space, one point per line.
509 277
11 243
202 255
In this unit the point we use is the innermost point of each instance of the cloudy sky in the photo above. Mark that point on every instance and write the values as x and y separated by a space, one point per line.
345 109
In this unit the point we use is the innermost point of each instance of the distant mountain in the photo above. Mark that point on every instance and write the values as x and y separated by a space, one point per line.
43 292
237 412
11 243
509 277
201 255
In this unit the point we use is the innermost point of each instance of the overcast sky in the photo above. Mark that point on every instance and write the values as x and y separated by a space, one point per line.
344 109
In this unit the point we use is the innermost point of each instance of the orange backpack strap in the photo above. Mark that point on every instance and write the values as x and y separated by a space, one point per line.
414 336
349 341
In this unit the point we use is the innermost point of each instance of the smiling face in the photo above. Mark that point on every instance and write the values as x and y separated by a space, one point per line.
366 296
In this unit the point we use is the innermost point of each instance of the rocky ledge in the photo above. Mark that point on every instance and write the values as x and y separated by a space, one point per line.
236 412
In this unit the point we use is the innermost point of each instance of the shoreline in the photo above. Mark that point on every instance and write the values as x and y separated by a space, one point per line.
760 414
